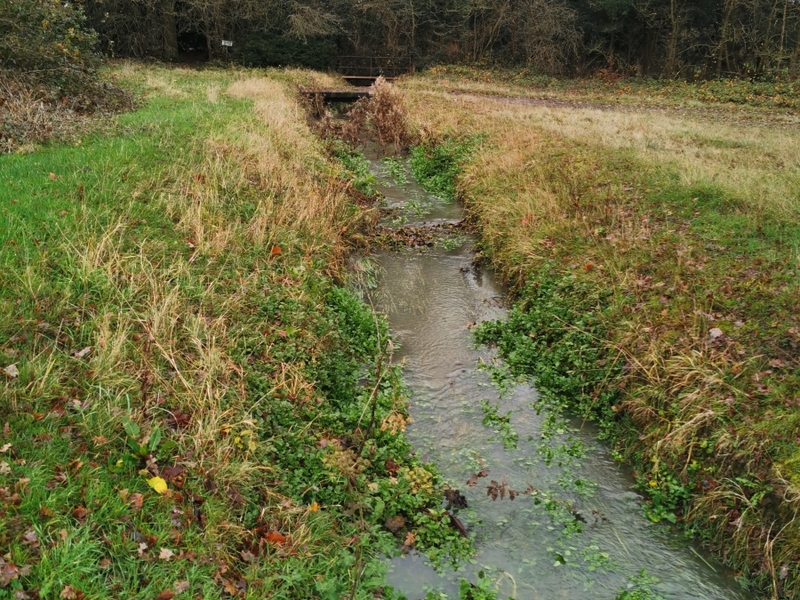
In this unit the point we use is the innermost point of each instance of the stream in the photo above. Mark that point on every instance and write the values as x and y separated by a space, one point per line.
575 531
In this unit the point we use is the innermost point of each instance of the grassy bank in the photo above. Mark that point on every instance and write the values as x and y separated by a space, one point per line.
654 256
190 406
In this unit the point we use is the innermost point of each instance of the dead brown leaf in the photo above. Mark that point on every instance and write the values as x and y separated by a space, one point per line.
68 592
29 538
80 513
165 554
181 586
473 480
136 500
8 572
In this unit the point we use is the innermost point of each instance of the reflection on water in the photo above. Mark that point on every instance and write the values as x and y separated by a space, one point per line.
431 299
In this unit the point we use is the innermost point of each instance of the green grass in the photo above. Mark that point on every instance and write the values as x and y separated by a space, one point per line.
191 250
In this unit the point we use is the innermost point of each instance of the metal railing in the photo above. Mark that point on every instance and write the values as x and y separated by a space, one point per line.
373 66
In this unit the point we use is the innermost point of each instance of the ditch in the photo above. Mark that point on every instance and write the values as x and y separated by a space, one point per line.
552 514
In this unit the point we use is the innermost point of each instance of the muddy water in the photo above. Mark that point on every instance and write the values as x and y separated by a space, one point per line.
536 546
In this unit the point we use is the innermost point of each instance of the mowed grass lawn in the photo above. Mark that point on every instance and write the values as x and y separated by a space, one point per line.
653 243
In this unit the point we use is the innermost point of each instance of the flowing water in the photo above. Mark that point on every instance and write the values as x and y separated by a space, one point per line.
580 531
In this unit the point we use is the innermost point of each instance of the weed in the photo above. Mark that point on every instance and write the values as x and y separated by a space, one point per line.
483 589
357 168
451 242
436 165
396 169
501 424
639 588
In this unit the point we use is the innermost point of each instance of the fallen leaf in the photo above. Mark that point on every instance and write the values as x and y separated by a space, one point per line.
247 556
275 251
181 586
8 572
68 592
235 496
123 494
166 595
5 448
4 468
411 537
172 473
53 177
104 563
29 538
142 548
165 554
395 524
81 353
314 507
11 371
274 537
473 480
158 484
715 333
79 512
135 500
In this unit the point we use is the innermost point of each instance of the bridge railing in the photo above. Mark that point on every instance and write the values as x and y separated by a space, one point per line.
373 66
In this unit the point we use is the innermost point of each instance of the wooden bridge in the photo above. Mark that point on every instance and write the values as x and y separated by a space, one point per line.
364 70
361 72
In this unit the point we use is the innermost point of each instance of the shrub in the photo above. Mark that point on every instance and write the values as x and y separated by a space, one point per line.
46 43
48 74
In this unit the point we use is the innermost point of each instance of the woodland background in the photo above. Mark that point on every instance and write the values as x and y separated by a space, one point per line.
675 38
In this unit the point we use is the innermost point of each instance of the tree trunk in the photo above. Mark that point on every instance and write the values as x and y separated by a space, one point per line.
170 30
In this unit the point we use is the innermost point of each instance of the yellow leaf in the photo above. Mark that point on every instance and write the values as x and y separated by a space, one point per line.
314 507
158 484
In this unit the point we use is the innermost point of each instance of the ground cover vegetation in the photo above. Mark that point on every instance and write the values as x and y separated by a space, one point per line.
190 405
653 255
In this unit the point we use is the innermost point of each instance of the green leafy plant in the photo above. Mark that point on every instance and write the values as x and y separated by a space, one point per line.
436 166
356 166
500 423
396 169
639 588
